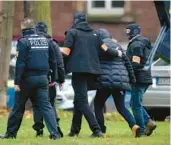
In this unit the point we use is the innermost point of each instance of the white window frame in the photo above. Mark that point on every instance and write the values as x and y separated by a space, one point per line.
107 10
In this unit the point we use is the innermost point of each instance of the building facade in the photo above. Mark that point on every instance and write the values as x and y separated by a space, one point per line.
111 15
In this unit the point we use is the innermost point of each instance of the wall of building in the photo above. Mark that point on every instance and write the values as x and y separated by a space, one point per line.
145 16
62 12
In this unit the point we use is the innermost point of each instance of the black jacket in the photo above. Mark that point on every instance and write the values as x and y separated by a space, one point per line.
84 43
35 56
140 46
60 76
117 72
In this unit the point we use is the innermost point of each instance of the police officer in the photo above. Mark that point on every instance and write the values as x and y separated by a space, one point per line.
81 46
138 52
35 57
42 29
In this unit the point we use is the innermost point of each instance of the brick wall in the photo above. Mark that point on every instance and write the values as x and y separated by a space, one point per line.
145 16
62 12
18 16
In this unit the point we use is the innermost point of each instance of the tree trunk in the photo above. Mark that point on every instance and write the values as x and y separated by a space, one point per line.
6 25
26 9
41 11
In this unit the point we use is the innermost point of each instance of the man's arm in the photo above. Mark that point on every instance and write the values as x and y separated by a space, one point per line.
129 68
137 56
52 61
68 43
20 63
115 52
60 63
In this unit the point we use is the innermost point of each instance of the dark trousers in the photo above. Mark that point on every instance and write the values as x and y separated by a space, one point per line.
38 118
29 87
118 96
81 106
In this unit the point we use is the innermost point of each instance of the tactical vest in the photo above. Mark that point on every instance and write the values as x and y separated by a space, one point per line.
38 53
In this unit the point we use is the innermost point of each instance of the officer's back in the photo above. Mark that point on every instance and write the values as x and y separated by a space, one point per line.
84 43
33 57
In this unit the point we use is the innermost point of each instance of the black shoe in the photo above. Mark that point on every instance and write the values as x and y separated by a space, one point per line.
72 134
39 133
60 131
54 137
151 126
7 136
97 134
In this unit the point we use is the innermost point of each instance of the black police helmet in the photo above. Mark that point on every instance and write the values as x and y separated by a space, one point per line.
41 27
79 17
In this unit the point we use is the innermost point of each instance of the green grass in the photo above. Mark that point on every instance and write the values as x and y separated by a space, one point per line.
118 133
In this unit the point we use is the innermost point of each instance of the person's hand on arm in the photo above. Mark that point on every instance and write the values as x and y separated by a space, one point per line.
114 52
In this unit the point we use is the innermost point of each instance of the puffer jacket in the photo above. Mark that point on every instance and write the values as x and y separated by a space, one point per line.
117 72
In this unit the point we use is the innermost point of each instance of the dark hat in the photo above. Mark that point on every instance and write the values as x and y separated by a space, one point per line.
132 30
134 27
41 27
103 33
79 17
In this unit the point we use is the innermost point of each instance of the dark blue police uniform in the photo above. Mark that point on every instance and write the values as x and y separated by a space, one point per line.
34 60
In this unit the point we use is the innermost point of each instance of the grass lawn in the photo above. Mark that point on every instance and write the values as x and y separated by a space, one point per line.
118 133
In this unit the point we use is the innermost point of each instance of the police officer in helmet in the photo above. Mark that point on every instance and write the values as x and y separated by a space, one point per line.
35 58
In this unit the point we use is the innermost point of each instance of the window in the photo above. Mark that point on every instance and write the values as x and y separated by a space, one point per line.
106 7
98 4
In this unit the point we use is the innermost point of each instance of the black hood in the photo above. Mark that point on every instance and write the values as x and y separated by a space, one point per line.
133 30
83 27
47 36
44 34
144 40
42 27
79 17
103 33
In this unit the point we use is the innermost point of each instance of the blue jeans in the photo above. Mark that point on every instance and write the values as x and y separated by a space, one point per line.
140 114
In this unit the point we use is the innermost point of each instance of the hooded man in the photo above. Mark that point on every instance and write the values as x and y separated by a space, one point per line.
138 52
81 45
